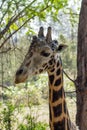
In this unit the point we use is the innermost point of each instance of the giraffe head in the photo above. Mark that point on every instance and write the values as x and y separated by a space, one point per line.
40 56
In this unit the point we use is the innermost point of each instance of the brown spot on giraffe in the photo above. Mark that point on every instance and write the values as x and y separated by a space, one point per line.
28 63
44 57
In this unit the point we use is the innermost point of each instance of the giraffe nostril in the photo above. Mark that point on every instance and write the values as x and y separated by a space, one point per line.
19 72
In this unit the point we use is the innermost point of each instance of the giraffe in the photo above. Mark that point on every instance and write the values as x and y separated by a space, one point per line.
43 55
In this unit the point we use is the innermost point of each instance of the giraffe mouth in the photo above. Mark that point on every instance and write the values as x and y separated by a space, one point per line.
20 80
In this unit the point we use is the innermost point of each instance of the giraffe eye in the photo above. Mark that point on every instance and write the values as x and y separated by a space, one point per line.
43 53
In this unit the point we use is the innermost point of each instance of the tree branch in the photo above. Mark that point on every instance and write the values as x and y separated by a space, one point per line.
11 21
4 14
21 27
72 14
2 4
70 91
5 51
68 77
4 86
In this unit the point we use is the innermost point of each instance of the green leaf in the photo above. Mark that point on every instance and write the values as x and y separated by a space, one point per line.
14 26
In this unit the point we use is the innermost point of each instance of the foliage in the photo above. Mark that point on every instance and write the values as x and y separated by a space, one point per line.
16 14
7 114
31 125
17 101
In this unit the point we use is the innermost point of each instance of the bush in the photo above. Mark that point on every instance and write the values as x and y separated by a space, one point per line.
32 125
21 103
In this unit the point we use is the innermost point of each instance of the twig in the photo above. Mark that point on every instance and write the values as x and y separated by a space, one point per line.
68 77
5 51
6 87
72 13
70 91
20 27
2 4
14 32
4 14
11 21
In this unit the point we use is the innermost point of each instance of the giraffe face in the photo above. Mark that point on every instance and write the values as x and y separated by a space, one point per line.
41 55
39 58
36 60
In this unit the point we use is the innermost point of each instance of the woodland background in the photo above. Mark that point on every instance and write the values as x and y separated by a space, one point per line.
22 106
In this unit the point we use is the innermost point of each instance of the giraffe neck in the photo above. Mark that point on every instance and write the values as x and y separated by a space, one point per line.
59 117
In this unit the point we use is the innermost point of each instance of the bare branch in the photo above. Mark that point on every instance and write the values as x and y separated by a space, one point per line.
68 77
5 51
4 14
70 91
72 14
4 86
2 4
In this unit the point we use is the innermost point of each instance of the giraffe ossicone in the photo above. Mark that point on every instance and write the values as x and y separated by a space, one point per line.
43 55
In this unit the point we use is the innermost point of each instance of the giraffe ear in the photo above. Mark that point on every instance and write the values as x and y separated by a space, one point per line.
61 47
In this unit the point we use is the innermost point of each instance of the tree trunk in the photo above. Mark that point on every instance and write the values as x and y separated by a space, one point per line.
81 84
